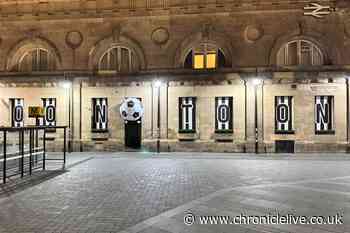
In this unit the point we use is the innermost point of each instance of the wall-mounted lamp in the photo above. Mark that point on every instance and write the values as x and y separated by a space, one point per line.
157 83
66 85
257 81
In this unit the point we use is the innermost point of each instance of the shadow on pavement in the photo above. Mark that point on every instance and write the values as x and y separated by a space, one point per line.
17 184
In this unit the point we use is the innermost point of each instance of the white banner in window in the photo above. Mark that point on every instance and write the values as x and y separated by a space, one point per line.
284 113
49 105
187 114
223 113
323 113
17 112
99 114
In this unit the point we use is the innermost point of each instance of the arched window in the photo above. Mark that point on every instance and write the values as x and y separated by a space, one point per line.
300 53
119 59
205 56
37 59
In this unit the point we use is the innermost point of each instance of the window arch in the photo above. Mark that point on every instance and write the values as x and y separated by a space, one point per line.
119 59
205 56
36 59
300 53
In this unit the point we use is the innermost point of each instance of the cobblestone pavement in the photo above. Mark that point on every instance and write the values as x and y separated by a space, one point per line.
146 193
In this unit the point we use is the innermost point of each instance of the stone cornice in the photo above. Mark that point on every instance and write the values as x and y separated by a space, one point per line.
55 10
181 75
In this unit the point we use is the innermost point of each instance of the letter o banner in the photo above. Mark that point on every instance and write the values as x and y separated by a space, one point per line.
282 113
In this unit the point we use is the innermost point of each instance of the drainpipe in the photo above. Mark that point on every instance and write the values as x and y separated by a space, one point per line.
256 119
72 109
152 116
167 110
158 120
347 111
245 115
262 115
80 116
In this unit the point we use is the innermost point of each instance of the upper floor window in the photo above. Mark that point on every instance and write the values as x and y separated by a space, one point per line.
37 59
205 56
119 59
300 53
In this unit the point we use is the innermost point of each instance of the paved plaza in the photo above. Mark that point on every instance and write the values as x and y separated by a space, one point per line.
150 193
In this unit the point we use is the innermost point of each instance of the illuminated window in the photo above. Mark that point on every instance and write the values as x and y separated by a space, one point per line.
37 59
205 56
211 60
119 59
198 61
300 53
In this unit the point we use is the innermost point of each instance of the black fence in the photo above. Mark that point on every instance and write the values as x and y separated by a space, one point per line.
27 150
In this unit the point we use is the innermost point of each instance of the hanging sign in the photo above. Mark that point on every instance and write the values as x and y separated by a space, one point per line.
17 112
36 112
323 113
99 114
223 114
49 105
187 114
284 114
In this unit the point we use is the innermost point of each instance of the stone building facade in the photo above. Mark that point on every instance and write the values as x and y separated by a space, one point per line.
223 75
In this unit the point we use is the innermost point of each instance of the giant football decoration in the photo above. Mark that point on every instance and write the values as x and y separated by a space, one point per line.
131 109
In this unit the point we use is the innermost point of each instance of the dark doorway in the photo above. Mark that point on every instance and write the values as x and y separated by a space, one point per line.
284 146
133 134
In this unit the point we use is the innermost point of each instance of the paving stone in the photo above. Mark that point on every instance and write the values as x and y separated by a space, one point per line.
122 191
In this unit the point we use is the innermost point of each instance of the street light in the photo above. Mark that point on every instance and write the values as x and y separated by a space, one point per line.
67 85
158 84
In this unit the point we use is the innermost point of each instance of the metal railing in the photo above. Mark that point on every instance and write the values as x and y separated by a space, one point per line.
21 160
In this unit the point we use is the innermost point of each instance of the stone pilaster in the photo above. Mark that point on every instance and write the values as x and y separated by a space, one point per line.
250 116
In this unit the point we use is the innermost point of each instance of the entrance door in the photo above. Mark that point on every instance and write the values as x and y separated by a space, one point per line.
133 134
284 146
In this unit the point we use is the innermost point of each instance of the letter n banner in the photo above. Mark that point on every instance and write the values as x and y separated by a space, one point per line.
99 114
284 114
324 114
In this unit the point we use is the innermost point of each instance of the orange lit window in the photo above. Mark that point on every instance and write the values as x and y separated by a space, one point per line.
211 60
199 61
204 56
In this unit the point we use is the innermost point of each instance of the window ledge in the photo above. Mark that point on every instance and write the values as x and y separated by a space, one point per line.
223 132
285 132
187 135
325 132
